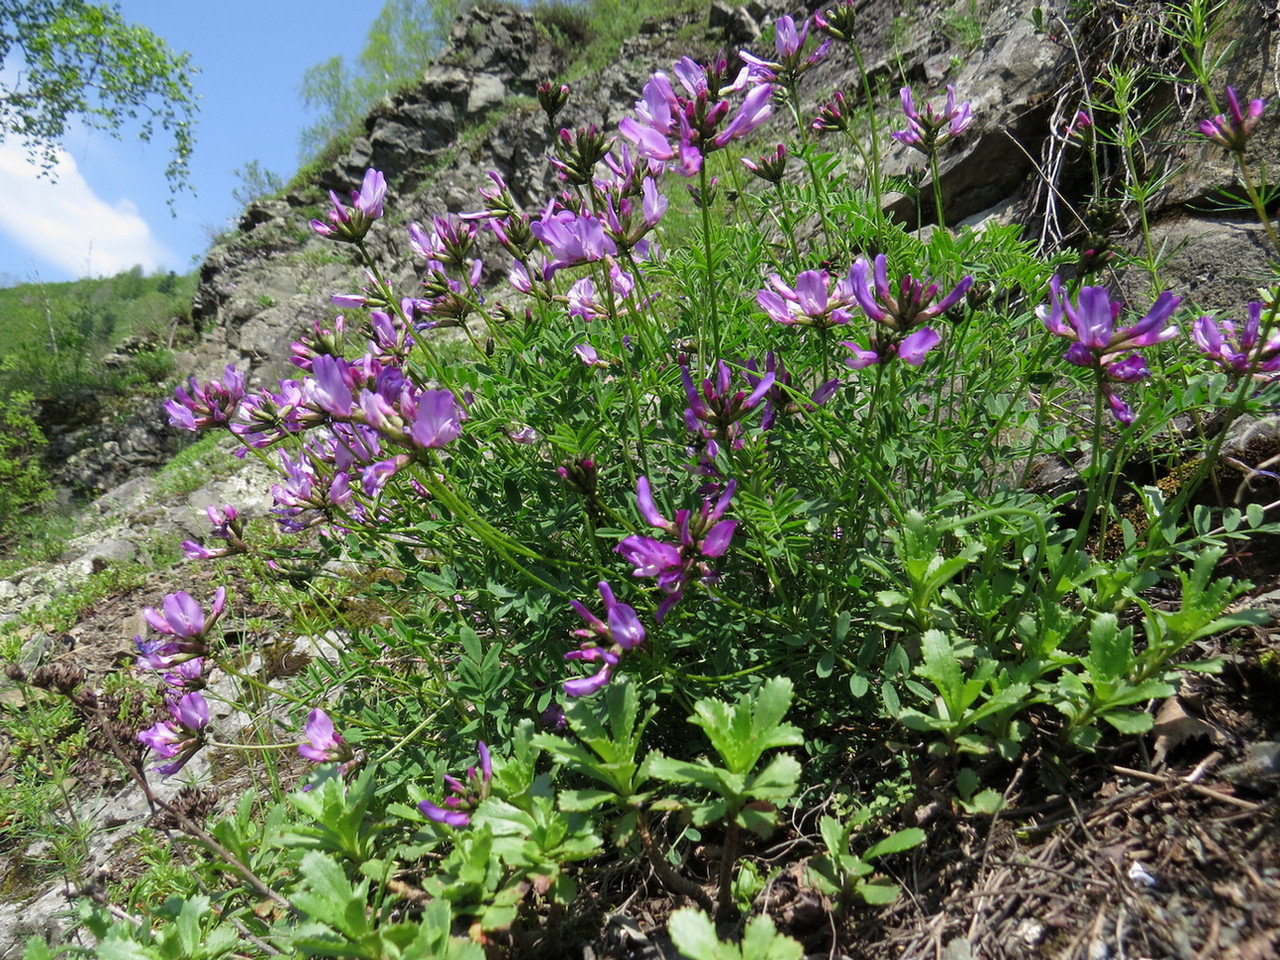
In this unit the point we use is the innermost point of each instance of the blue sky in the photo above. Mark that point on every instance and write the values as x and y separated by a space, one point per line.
107 211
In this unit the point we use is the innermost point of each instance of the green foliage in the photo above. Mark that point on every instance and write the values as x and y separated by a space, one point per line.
842 874
695 937
83 63
24 485
256 183
53 336
789 542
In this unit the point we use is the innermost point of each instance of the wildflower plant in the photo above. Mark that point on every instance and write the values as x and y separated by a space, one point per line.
781 544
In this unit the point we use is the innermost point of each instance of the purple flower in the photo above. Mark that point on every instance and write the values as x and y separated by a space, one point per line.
715 410
810 303
1241 351
1234 133
681 130
701 537
466 796
788 43
603 641
210 405
912 302
433 417
771 167
781 395
838 22
183 617
929 130
832 116
227 526
188 675
179 737
352 225
621 222
571 239
910 349
324 745
897 311
552 99
587 354
577 153
1080 127
1091 323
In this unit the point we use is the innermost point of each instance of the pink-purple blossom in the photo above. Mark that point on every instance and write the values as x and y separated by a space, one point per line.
811 302
603 641
352 225
571 239
181 736
788 44
771 167
1242 349
1090 323
681 129
228 527
898 310
208 405
929 130
466 796
700 537
434 417
181 616
1234 131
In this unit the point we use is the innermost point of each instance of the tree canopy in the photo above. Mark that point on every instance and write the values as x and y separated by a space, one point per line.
68 60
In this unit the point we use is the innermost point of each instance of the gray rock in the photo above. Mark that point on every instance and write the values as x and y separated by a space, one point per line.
487 91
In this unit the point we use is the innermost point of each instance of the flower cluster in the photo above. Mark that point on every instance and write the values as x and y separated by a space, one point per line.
181 736
771 167
929 130
185 627
466 796
782 395
208 405
897 313
681 130
179 655
700 537
715 409
1091 323
788 43
1234 132
812 302
1243 351
351 226
325 745
228 527
603 640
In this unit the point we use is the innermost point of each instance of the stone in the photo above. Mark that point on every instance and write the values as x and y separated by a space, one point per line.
487 91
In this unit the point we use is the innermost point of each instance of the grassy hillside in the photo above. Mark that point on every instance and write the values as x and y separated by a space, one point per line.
53 336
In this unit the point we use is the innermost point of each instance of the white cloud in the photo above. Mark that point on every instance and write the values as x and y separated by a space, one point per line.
65 223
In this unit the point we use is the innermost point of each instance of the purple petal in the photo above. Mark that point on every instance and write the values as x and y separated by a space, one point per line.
914 347
717 539
452 818
648 509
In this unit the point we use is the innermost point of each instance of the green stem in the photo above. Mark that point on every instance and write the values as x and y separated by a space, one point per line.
714 312
937 189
